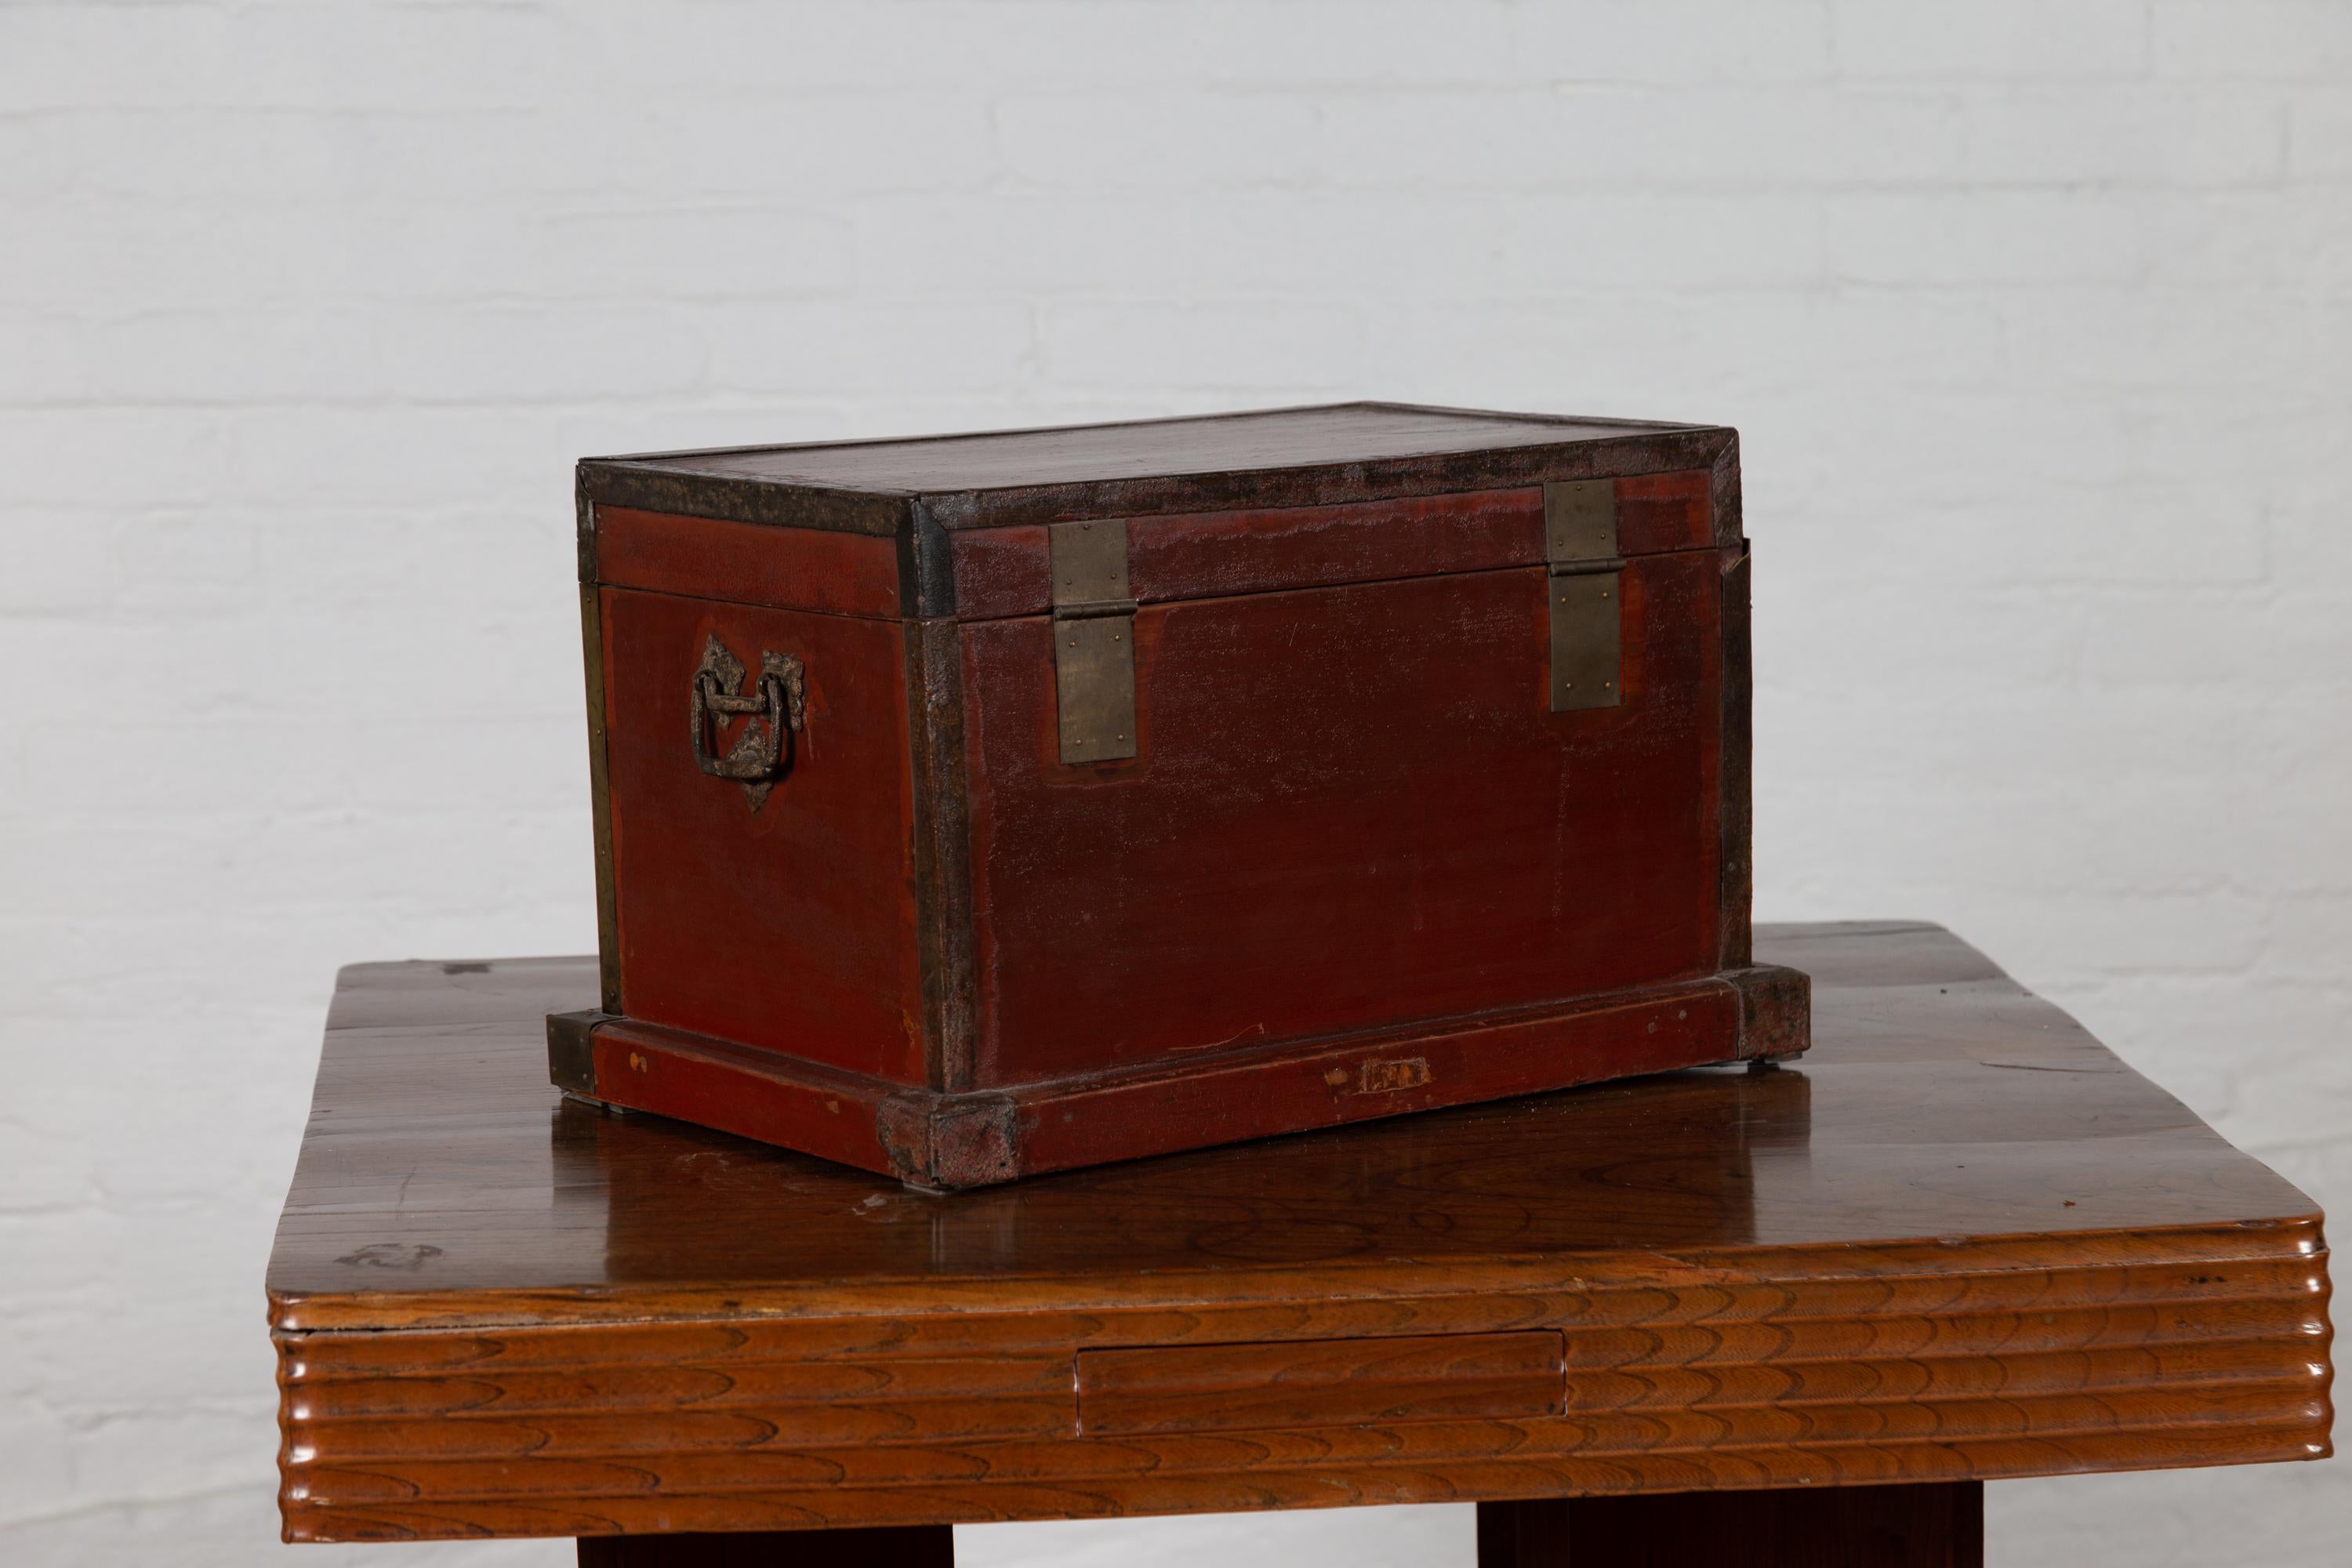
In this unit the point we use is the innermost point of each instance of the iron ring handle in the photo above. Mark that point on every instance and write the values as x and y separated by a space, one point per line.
779 699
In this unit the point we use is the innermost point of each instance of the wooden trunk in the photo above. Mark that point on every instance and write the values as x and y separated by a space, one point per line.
991 805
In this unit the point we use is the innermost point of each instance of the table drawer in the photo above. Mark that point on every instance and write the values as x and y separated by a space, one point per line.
1321 1383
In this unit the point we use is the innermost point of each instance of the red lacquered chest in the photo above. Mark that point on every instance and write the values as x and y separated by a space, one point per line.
990 804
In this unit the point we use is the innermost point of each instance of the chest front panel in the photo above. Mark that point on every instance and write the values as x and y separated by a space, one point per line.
1350 807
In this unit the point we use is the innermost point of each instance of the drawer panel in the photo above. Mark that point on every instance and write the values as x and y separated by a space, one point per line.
1321 1383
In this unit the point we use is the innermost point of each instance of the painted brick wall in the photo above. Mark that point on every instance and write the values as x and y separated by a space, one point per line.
2036 319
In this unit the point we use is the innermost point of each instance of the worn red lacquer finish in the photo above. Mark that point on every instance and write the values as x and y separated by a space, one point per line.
742 563
1384 824
1337 847
791 925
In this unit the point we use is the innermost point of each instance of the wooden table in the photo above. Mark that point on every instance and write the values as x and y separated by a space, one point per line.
1709 1314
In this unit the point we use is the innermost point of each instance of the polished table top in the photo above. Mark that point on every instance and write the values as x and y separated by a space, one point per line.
1958 1239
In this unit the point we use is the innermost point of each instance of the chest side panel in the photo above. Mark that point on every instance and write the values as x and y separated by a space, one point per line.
786 923
1350 807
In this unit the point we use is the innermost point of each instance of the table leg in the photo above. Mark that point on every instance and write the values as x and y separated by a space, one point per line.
1933 1525
882 1546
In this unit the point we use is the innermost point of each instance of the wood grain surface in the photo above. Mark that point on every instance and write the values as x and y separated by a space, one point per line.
1318 1382
1960 1241
925 491
1147 448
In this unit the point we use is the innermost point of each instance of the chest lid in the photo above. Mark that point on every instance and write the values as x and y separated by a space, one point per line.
1261 459
989 525
1087 525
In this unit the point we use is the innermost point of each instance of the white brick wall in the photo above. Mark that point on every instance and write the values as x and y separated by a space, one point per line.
2035 316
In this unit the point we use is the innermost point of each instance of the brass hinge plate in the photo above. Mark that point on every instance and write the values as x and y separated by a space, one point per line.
1094 640
1583 576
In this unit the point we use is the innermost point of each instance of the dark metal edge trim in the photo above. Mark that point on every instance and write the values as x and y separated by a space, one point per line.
975 1140
600 801
572 1051
1729 525
946 1142
584 515
735 499
1734 754
1518 415
942 850
1735 766
926 565
902 1127
1776 1011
